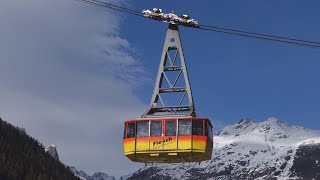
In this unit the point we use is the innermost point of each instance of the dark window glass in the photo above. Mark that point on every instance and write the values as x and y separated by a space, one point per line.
197 127
209 130
171 127
142 128
185 127
156 128
124 131
131 130
206 128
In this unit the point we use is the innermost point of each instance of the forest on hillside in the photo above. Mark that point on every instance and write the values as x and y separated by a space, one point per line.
23 157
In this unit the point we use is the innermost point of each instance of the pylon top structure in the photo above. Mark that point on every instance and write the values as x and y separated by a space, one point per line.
170 18
172 94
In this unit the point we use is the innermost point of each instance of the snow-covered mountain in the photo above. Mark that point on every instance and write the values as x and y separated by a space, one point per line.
96 176
250 150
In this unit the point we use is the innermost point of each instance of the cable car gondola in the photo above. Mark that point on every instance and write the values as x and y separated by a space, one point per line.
168 140
169 133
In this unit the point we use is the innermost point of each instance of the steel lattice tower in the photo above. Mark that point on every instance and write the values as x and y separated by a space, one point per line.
172 79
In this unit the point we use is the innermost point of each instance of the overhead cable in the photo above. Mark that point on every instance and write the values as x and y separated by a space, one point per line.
299 42
113 7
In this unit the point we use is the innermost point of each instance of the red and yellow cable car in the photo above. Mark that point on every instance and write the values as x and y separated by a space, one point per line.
168 140
169 132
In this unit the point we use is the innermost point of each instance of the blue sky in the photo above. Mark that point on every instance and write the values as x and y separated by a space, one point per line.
71 73
235 77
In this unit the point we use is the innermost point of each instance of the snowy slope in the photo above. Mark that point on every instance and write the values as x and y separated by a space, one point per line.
246 150
96 176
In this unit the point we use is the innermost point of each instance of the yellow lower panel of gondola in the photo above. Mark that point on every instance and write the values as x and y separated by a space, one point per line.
129 145
199 142
142 143
168 149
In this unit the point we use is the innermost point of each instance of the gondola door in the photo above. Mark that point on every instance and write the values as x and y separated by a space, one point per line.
169 141
184 134
142 139
156 138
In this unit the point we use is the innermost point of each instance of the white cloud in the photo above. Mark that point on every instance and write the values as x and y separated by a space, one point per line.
67 76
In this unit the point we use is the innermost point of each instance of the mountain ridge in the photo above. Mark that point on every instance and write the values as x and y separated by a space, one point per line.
248 150
96 176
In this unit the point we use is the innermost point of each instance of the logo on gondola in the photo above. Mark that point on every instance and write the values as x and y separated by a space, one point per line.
165 141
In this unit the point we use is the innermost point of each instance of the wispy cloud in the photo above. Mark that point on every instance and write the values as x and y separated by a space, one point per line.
67 76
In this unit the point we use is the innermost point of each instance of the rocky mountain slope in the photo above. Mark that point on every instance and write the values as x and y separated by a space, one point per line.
250 150
52 150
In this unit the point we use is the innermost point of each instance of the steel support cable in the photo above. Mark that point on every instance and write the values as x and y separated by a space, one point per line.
102 4
260 34
293 41
261 37
116 6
